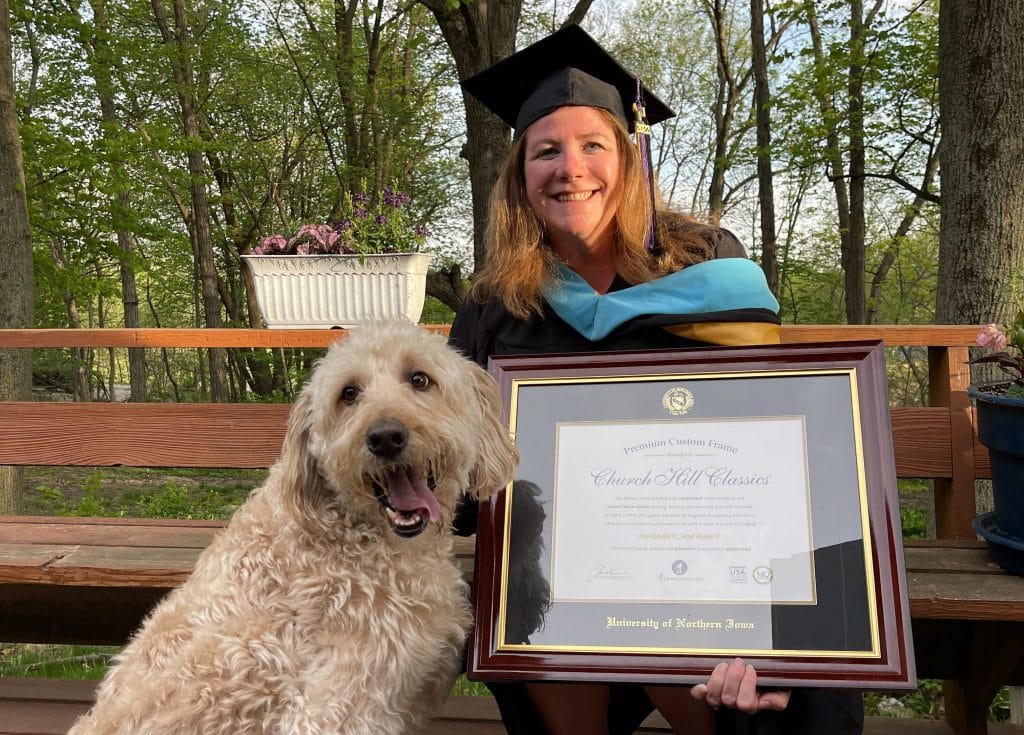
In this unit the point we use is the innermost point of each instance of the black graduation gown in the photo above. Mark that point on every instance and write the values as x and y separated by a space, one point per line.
481 330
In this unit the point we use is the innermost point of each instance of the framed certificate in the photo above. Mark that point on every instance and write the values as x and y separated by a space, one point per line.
673 509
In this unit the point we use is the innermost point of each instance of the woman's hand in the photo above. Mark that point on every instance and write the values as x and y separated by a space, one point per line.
734 685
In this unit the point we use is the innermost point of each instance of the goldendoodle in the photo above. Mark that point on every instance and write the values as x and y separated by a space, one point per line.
330 603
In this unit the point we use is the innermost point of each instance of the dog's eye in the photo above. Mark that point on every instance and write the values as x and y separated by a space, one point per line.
349 394
419 381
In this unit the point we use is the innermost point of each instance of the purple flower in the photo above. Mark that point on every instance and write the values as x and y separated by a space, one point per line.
381 220
420 230
360 213
360 198
395 199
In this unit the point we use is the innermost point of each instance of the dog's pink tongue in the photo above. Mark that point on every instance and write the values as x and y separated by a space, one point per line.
407 493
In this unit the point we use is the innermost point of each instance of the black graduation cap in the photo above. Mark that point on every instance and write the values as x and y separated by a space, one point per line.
566 68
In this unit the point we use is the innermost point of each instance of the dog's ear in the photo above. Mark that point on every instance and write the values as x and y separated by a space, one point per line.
497 456
301 483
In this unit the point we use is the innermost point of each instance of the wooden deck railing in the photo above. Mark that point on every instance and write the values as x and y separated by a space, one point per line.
206 438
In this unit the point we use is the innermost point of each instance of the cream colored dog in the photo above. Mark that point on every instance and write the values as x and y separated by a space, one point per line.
330 603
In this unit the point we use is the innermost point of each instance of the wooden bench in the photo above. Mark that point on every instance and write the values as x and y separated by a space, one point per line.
91 580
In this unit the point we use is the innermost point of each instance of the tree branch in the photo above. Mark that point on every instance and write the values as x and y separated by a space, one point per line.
578 13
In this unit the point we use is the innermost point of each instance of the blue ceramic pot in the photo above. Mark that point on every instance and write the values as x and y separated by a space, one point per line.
1001 429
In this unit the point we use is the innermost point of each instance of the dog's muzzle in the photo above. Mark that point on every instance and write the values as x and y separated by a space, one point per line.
405 493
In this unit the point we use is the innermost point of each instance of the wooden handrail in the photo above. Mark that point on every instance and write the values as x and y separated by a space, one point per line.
926 335
65 338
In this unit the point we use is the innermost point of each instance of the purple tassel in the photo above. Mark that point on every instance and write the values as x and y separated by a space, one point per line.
642 130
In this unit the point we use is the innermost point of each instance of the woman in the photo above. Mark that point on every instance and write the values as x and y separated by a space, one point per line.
581 257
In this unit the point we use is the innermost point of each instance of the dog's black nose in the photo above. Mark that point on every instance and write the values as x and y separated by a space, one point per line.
386 439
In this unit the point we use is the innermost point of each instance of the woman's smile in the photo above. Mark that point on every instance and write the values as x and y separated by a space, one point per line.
581 196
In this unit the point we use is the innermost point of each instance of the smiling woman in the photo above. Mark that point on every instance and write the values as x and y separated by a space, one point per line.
583 256
575 208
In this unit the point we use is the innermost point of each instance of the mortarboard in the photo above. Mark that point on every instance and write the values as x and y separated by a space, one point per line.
566 68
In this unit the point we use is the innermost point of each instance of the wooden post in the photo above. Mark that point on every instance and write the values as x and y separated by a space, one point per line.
948 378
994 653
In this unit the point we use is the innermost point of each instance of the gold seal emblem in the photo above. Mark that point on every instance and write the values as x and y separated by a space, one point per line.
677 401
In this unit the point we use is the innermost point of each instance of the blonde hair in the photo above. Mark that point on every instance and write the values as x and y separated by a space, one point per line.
520 262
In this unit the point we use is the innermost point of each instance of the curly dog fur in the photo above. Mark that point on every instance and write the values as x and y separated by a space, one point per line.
330 603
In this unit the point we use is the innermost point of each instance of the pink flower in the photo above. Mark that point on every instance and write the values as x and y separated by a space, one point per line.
322 233
270 245
313 239
991 337
302 233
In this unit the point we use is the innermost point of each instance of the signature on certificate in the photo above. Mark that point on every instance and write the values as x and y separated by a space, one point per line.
605 573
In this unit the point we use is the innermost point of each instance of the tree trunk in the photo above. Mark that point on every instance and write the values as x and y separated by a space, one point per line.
851 224
892 251
179 43
854 256
981 75
479 35
253 370
724 111
130 300
16 284
81 357
101 60
765 183
447 286
352 113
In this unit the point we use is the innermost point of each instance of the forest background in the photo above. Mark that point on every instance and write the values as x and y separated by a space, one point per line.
163 139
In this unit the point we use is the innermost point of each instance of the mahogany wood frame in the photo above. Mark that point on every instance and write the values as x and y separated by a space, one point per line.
892 668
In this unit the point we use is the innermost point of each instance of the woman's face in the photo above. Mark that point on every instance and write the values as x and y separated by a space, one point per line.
572 176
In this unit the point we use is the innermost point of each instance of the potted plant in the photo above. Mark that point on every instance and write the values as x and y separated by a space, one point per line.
363 265
1000 407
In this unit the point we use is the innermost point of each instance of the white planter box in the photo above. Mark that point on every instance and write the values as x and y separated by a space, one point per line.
327 291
